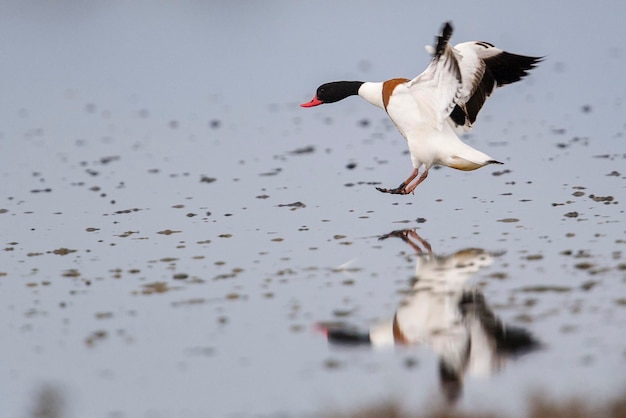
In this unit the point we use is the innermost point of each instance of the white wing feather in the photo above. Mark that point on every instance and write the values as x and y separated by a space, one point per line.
439 86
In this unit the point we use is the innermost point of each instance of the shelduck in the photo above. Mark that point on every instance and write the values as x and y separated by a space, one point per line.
432 109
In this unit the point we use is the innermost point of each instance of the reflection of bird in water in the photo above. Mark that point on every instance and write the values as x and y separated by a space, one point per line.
444 314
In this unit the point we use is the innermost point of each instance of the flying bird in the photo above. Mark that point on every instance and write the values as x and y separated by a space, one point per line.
432 109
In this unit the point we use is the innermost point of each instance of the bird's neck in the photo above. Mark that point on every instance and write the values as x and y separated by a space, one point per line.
373 93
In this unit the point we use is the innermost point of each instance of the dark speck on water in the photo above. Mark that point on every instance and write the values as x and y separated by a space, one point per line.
168 232
106 160
541 288
508 220
273 172
294 205
304 150
63 251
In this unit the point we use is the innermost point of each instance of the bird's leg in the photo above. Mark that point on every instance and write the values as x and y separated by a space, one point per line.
401 189
399 233
419 180
413 234
406 235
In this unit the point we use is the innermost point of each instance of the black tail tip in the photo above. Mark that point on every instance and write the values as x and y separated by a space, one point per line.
494 162
446 32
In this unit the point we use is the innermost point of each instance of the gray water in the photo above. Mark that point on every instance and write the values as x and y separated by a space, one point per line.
177 231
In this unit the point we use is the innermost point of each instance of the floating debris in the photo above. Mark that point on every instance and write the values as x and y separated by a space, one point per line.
588 285
304 150
332 364
126 211
95 337
499 275
168 232
534 257
342 313
584 266
127 234
544 288
63 251
293 206
195 301
606 199
207 179
156 287
272 172
107 160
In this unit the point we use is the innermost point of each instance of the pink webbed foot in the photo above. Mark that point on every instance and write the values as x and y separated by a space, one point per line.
406 187
398 190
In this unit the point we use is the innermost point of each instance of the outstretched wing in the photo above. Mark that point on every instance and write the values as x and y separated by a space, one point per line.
484 67
439 87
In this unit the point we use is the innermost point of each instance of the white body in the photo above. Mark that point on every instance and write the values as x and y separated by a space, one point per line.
421 108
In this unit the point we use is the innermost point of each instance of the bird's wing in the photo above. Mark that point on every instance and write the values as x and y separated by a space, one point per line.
439 87
484 67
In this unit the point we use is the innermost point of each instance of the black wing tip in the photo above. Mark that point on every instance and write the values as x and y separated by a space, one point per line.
536 61
442 40
446 31
509 68
530 62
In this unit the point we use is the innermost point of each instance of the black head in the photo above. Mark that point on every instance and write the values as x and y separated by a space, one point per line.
334 92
